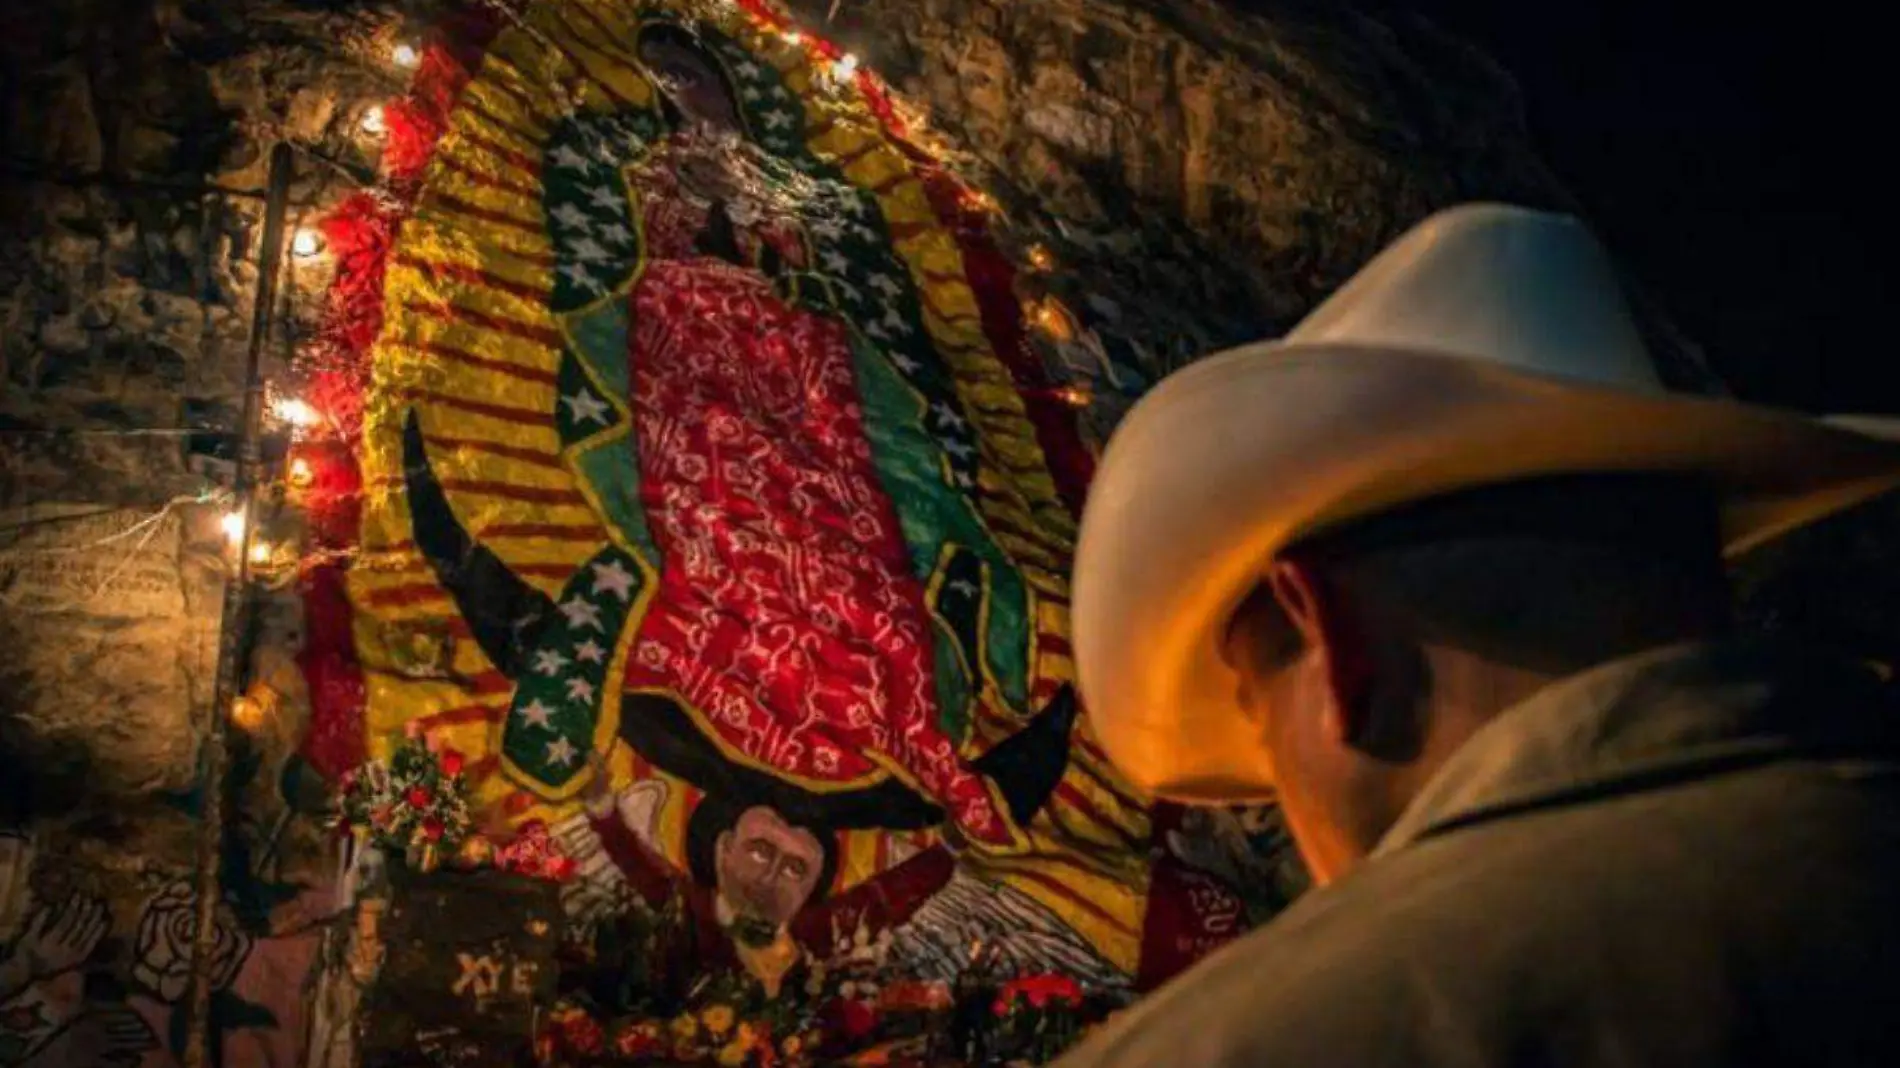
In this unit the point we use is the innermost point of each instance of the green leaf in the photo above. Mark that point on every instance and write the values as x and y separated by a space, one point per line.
230 1012
176 1032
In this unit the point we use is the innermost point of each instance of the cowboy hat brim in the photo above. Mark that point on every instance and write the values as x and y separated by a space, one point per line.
1233 459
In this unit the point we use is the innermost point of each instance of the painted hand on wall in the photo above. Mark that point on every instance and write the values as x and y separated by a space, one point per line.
56 939
40 1027
109 1036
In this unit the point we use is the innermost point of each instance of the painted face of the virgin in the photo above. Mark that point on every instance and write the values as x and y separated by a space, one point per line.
694 82
768 868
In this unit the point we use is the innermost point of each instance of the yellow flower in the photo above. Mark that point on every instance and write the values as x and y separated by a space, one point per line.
684 1027
717 1018
733 1053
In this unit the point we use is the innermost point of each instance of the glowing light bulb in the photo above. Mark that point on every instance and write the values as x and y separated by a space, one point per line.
305 243
247 714
294 411
1040 258
1074 396
793 37
1052 319
260 551
233 526
405 55
301 474
977 200
845 67
372 122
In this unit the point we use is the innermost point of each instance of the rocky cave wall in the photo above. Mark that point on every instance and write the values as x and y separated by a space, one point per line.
1199 175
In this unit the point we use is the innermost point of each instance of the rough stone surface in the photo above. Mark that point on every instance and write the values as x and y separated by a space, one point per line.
1206 172
110 620
1201 175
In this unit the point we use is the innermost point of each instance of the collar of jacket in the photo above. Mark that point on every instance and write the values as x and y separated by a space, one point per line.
1662 716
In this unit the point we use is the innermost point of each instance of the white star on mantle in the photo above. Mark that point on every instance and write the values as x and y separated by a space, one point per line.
549 662
580 614
588 250
590 652
535 714
612 576
561 752
570 216
565 156
947 415
584 407
963 586
579 689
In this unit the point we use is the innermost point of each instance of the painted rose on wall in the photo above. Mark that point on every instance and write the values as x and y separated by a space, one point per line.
162 949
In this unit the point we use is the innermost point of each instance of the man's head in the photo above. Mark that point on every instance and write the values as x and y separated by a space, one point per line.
764 867
1369 654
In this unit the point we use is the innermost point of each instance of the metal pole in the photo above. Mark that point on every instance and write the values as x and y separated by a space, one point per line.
234 636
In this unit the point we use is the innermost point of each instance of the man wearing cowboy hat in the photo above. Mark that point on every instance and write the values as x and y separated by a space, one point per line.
1440 573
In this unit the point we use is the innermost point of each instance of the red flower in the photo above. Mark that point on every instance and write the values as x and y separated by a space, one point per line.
432 829
639 1040
451 762
418 797
583 1035
379 816
1040 990
857 1018
561 869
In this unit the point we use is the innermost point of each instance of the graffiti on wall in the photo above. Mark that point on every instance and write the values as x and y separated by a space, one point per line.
96 942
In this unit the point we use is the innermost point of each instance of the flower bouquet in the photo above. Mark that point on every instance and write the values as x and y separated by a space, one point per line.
534 852
718 1033
413 805
1039 1016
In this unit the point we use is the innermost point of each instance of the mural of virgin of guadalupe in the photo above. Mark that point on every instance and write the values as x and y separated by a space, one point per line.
773 589
810 600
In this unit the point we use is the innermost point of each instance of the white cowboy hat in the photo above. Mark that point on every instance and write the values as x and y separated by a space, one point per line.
1489 344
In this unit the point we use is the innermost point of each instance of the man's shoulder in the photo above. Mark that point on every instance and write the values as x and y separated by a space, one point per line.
1328 981
1441 950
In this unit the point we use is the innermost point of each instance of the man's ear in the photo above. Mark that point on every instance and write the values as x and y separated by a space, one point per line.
1316 611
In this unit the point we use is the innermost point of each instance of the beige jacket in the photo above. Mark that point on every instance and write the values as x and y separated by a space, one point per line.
1691 857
